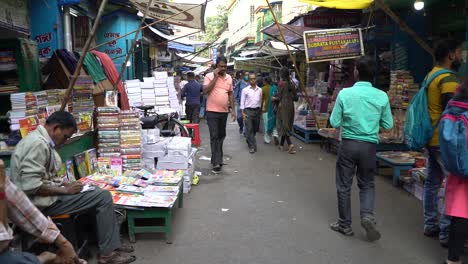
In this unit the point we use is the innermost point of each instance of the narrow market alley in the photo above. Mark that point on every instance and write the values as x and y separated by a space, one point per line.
272 208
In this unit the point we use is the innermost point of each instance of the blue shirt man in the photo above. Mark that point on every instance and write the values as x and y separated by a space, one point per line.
193 92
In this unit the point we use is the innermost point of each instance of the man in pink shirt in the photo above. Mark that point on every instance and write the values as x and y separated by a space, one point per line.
251 103
218 86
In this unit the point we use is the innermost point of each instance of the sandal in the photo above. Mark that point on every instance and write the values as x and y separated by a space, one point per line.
116 258
126 248
291 149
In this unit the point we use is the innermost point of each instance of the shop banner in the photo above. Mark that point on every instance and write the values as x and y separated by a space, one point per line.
192 18
333 44
14 15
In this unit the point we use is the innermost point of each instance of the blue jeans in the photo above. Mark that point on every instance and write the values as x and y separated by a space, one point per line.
436 173
18 257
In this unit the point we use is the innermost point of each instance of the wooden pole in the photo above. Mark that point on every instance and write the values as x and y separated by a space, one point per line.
82 57
132 48
404 27
3 202
147 25
299 74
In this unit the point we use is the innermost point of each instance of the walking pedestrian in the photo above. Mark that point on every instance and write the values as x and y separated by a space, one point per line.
360 111
267 115
456 193
218 87
192 90
285 114
244 82
448 56
251 102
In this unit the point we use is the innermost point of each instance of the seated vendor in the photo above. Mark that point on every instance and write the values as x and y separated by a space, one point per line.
34 166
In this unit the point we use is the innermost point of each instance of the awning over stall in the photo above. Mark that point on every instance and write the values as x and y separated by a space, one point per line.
340 4
291 33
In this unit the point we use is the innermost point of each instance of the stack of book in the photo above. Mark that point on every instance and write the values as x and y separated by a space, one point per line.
147 92
160 89
22 105
82 96
42 101
133 89
130 140
173 99
108 131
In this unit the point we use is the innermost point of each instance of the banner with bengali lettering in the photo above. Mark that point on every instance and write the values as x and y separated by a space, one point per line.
333 44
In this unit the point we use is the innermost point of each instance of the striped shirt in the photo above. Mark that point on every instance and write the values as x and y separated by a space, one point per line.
444 83
23 213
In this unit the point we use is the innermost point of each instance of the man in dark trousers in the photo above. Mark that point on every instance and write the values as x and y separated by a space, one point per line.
218 87
360 110
250 105
192 91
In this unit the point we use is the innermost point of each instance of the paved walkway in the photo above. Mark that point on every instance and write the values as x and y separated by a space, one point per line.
280 206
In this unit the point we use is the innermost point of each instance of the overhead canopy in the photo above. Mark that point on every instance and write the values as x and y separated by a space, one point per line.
291 33
194 17
192 58
340 4
182 44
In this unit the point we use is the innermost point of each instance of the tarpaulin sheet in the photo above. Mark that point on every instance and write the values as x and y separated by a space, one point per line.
291 33
192 18
340 4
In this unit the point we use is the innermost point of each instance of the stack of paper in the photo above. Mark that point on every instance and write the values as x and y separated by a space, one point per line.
147 92
173 99
133 90
160 89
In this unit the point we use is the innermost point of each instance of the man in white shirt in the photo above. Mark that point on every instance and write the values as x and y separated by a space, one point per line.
251 107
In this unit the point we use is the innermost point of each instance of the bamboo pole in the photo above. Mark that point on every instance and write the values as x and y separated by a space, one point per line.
3 202
82 57
132 48
299 74
147 25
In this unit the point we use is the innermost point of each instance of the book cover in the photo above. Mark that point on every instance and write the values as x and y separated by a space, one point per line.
91 160
28 125
81 164
116 166
70 171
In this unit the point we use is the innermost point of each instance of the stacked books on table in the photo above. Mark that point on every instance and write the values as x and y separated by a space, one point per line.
42 101
130 140
22 106
173 99
82 96
147 92
108 131
133 90
160 89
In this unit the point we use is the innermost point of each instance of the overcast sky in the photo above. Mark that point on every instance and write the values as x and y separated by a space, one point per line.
211 7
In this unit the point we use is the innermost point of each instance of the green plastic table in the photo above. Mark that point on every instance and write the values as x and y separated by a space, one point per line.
153 213
396 166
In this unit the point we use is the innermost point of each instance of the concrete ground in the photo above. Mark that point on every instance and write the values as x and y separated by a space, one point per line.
279 208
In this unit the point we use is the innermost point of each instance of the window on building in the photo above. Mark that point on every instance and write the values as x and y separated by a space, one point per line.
252 14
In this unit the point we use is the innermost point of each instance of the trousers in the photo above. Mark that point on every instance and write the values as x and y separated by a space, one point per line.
458 236
435 176
100 201
18 257
252 124
217 127
193 113
355 156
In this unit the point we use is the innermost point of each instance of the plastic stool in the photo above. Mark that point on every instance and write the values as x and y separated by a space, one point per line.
194 132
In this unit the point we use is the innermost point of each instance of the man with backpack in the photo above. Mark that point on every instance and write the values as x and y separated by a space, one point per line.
441 86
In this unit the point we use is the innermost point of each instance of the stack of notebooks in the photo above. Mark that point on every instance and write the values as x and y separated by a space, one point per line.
130 140
133 89
147 91
108 131
160 89
173 99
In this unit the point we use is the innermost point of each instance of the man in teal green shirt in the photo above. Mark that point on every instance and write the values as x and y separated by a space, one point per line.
360 111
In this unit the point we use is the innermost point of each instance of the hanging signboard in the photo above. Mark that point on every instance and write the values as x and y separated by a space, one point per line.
333 44
193 16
